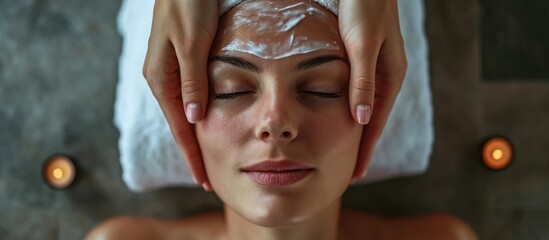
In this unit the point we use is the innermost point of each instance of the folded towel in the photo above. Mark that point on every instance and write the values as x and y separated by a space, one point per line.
150 158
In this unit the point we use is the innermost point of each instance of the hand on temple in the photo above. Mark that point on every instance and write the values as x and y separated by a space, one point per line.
370 31
177 59
176 69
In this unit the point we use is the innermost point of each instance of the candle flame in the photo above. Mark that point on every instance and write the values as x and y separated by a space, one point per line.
497 154
57 173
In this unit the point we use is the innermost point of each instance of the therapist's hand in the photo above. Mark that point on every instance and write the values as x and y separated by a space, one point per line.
371 34
176 67
176 70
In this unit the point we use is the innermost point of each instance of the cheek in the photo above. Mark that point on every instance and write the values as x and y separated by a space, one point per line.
221 137
335 137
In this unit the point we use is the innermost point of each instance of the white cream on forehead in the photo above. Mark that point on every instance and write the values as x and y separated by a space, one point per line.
278 18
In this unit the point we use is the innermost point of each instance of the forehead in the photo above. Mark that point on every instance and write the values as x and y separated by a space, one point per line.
277 29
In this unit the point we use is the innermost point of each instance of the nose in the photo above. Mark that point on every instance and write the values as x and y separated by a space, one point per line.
278 121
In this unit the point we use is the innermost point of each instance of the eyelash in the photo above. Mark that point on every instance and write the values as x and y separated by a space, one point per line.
227 96
323 94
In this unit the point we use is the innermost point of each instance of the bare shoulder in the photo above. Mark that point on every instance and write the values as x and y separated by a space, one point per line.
429 226
124 227
203 226
360 225
434 226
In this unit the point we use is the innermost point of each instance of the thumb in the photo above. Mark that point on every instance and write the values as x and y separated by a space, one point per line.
194 83
362 85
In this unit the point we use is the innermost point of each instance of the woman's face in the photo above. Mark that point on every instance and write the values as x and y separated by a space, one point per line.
273 109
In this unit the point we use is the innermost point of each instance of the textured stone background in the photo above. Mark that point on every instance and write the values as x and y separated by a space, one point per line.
58 70
515 40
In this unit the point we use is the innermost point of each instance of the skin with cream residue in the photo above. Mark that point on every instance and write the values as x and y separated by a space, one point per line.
278 19
276 107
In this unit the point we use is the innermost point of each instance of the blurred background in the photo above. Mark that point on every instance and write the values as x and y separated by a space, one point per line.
489 76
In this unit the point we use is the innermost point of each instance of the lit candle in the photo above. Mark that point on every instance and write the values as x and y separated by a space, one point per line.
59 171
497 153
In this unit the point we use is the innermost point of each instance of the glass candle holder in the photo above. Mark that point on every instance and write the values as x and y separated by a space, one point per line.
59 171
497 153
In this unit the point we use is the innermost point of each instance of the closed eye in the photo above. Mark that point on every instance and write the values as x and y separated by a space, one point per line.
323 94
233 95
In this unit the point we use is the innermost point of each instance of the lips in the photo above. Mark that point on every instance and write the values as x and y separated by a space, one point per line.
278 173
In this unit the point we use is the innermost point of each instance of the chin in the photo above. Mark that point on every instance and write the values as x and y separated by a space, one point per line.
275 218
280 210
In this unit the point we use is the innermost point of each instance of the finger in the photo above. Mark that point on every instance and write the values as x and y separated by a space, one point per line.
192 47
371 134
185 137
194 84
390 75
161 69
363 59
193 65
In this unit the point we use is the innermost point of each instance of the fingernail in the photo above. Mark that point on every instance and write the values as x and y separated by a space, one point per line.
206 187
364 174
193 112
363 114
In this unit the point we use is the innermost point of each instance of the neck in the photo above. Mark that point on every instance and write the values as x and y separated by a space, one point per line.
323 226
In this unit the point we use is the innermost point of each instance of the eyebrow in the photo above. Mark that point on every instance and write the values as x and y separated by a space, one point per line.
317 61
301 66
238 62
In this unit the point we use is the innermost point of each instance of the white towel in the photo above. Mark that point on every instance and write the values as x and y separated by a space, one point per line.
150 158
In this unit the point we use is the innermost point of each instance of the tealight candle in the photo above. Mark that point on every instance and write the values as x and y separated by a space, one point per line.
59 171
497 153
